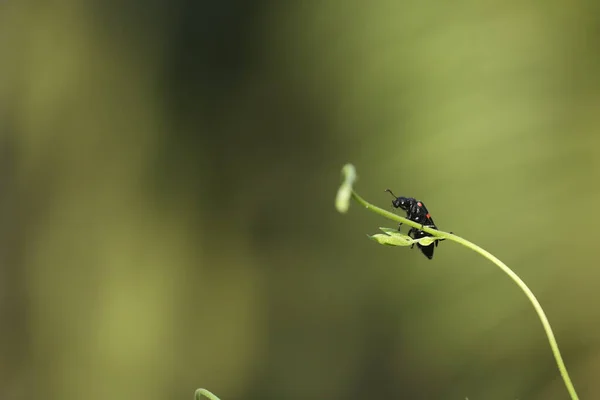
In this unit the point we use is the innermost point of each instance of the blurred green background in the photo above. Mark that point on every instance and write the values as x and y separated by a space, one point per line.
167 181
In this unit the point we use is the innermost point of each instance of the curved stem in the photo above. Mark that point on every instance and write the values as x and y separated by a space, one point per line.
536 305
203 392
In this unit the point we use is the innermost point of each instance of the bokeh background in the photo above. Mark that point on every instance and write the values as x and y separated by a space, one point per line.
167 181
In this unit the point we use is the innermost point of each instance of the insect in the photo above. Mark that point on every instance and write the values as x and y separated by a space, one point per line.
417 212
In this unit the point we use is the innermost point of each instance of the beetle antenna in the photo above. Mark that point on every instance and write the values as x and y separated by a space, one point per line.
388 190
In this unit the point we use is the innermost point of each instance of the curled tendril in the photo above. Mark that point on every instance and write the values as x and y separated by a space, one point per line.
346 192
203 392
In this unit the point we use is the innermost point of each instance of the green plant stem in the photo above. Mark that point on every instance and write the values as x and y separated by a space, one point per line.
536 305
203 392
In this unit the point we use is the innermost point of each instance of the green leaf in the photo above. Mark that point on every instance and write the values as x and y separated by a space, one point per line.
391 231
395 239
426 241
